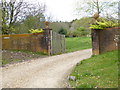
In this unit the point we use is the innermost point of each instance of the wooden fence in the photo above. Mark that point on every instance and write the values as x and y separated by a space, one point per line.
48 42
58 43
105 40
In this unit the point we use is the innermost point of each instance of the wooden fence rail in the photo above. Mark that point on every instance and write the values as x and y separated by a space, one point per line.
58 43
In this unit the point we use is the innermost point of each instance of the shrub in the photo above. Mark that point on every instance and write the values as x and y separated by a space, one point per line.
81 31
62 31
36 30
103 24
95 27
7 29
69 34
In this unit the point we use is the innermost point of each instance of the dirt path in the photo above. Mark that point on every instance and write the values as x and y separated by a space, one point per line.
47 72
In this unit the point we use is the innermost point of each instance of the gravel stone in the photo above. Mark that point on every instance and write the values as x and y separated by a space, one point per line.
49 72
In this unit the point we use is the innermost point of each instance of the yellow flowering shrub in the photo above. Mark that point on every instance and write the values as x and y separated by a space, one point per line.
103 24
36 30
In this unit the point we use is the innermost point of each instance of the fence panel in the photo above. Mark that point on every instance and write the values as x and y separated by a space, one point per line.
58 43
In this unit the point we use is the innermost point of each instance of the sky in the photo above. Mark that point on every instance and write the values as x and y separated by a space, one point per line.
59 10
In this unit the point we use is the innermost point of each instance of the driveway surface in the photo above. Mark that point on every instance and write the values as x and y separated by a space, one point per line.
50 72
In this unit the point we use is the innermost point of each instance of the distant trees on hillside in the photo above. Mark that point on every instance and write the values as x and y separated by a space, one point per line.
60 27
80 27
77 27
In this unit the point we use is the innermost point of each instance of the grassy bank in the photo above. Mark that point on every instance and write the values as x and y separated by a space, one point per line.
99 71
77 43
14 56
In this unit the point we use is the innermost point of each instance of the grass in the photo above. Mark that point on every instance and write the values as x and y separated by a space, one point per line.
14 56
29 52
100 71
78 43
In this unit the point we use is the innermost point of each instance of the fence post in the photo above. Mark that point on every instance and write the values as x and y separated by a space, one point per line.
64 44
48 34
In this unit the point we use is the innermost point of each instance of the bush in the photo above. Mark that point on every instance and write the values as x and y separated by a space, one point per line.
70 34
81 31
7 29
95 27
103 24
36 30
78 33
62 31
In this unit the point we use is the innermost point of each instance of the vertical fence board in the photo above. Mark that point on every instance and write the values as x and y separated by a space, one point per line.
58 43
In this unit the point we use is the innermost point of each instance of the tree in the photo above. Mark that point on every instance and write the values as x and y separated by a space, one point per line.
81 31
10 13
33 19
83 22
56 26
14 11
97 6
31 22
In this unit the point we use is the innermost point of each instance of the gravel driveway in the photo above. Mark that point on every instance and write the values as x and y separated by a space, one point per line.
50 72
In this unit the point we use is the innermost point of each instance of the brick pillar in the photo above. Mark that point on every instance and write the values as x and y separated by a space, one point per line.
48 35
95 42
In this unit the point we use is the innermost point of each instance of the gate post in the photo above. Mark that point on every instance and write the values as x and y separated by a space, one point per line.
95 42
48 34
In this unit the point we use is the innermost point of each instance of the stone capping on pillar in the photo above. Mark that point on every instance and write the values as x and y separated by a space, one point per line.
47 26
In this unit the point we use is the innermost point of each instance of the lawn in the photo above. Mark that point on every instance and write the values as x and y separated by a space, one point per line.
100 71
78 43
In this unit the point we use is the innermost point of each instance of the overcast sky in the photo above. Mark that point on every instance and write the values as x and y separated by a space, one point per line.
61 10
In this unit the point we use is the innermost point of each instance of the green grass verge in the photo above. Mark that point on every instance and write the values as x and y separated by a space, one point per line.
29 52
78 43
100 71
14 56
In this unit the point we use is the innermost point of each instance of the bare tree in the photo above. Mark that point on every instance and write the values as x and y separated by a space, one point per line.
97 6
17 10
10 13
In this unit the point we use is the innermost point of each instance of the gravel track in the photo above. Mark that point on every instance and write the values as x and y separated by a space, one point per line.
50 72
